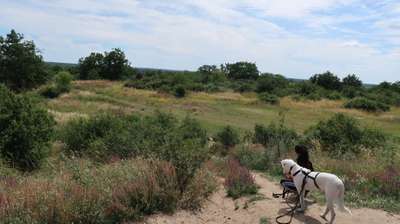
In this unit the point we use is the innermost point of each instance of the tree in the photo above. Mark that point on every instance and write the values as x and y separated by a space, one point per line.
115 65
91 66
21 65
327 80
25 130
207 69
211 74
242 70
111 65
352 81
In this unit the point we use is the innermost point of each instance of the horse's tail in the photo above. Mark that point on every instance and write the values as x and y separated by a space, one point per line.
340 199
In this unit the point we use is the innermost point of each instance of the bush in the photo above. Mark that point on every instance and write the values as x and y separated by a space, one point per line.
275 136
271 83
327 80
49 91
80 192
25 130
343 134
160 136
334 96
63 82
386 182
180 92
239 181
268 98
99 136
369 105
228 136
252 156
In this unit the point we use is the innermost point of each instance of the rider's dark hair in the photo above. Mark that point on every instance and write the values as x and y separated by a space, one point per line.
303 158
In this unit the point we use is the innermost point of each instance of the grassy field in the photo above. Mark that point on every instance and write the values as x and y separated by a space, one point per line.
214 110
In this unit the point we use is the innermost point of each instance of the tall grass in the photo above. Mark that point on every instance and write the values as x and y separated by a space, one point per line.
80 192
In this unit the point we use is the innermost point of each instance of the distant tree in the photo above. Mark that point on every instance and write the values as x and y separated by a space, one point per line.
211 73
115 65
208 69
242 70
352 81
270 82
21 65
111 65
327 80
91 66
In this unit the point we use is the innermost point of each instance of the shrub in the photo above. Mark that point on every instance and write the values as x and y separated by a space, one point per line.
342 134
239 181
275 136
271 83
386 182
25 130
79 192
200 188
63 82
107 132
268 98
49 91
228 136
180 92
334 96
160 136
367 105
252 156
327 80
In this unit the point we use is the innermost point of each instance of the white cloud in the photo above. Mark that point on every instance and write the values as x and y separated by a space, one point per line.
184 35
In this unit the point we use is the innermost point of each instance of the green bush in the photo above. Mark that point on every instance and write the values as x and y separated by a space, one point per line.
275 136
161 136
180 92
270 83
239 181
334 96
228 136
252 157
49 91
25 130
268 98
369 105
63 81
343 134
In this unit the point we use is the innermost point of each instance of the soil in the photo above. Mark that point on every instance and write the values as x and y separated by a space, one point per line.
220 209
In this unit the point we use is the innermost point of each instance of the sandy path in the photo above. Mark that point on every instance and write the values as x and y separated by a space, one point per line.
220 209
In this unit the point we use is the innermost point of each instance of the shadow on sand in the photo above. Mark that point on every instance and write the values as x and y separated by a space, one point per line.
301 217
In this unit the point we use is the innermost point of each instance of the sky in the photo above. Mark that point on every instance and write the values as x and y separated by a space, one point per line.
296 38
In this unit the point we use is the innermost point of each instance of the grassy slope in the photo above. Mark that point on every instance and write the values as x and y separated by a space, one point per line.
214 110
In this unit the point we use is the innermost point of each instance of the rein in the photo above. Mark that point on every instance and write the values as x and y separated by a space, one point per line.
293 209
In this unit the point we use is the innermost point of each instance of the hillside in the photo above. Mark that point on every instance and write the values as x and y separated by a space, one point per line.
214 110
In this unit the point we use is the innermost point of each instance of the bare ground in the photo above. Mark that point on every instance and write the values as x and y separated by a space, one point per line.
220 209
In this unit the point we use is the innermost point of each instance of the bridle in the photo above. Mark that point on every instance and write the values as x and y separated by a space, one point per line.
292 210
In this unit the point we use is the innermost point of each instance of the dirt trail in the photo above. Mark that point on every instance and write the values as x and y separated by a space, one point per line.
220 209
